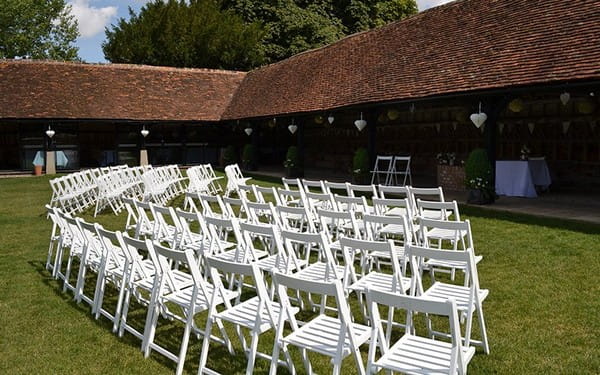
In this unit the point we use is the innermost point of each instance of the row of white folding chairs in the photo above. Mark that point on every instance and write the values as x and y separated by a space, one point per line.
392 170
117 183
77 191
202 179
73 192
161 184
295 280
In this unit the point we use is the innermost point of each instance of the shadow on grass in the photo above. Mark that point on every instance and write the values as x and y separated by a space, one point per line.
566 224
168 334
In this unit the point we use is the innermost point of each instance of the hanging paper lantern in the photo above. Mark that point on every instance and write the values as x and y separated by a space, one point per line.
461 116
319 119
585 107
565 97
393 114
360 124
516 105
330 119
248 131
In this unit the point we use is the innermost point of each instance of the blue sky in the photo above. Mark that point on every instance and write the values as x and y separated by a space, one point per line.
94 15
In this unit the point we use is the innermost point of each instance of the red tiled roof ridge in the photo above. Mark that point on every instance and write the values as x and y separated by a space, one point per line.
120 66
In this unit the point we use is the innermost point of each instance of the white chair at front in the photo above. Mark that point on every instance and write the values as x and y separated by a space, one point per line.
342 338
469 296
413 354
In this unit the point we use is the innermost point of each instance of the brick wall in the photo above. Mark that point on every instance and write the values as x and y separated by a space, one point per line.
451 177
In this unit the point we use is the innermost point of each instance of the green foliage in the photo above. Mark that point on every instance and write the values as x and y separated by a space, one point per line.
229 156
292 158
37 29
360 162
478 171
294 26
249 155
195 33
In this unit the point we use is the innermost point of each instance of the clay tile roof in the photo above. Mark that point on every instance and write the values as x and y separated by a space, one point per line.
462 46
50 89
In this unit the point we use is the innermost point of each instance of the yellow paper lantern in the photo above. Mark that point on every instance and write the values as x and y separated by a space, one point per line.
585 107
516 105
393 114
319 119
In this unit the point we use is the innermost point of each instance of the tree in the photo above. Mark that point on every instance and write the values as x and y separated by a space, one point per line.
195 33
37 29
293 26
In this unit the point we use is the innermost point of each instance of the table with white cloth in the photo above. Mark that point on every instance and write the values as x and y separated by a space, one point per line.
518 178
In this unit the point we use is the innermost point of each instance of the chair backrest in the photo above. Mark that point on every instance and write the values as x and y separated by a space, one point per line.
412 305
295 218
162 228
317 185
393 191
165 260
393 207
190 236
309 243
291 197
255 211
429 194
438 210
461 229
221 232
136 249
351 247
370 190
112 244
352 204
336 187
418 255
266 194
235 207
337 224
212 205
291 183
375 227
319 200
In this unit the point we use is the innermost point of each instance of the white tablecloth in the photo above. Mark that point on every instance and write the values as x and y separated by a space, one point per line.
518 178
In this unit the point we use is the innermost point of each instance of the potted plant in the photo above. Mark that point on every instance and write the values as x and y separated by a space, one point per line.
292 164
249 157
229 155
478 173
360 166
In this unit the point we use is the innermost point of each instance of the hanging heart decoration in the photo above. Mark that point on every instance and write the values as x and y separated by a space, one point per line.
531 127
565 126
565 97
360 124
248 131
50 133
292 128
478 119
330 119
144 132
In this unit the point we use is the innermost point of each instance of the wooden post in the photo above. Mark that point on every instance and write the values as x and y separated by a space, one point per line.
300 122
493 107
371 117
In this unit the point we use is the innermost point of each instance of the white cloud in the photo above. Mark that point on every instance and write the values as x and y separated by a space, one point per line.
426 4
92 20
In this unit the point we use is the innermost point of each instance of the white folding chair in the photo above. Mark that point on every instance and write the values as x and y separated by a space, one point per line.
469 297
382 170
426 194
438 210
315 186
191 297
400 171
414 354
258 314
335 337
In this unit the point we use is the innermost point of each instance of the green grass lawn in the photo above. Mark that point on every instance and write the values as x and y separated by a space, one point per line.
543 311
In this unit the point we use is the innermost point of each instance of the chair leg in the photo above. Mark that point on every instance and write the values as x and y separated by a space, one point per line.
252 353
184 342
484 338
205 345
